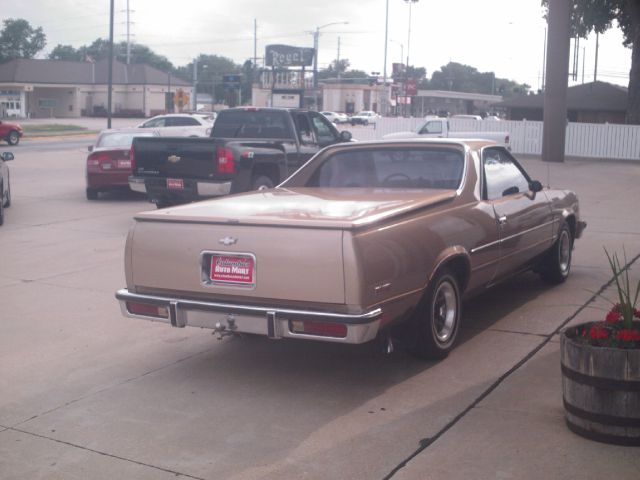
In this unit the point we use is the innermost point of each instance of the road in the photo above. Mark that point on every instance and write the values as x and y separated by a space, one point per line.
87 393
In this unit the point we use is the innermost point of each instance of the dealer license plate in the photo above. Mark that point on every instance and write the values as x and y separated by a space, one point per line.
237 270
175 184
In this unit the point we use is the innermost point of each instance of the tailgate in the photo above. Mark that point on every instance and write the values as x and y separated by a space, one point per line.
182 157
267 262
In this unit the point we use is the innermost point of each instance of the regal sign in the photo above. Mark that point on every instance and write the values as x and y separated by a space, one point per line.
288 56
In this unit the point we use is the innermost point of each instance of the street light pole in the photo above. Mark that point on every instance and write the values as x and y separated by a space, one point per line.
410 2
316 41
384 77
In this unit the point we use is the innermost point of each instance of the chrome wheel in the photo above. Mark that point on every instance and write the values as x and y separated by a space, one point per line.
564 252
445 312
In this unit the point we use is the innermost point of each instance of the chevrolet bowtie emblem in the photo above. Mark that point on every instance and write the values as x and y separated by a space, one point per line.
174 158
226 241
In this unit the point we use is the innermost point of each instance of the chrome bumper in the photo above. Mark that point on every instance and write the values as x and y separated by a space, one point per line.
137 184
271 322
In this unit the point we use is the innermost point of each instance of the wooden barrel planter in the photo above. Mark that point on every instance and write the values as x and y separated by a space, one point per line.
601 390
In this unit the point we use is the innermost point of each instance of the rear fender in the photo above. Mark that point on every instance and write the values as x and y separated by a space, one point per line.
457 258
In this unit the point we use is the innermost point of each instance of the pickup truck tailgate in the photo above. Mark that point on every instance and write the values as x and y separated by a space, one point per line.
266 262
176 157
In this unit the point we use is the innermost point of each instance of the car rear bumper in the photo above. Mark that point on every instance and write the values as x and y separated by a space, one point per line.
259 320
107 179
156 189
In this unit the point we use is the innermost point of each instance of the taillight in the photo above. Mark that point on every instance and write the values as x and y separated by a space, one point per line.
98 160
147 310
225 160
323 329
132 158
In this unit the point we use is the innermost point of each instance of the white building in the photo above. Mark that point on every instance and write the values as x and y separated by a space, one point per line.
58 88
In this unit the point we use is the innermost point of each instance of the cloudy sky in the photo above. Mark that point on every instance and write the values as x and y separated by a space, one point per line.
505 36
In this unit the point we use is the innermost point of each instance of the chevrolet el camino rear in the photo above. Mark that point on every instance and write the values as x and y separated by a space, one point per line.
364 237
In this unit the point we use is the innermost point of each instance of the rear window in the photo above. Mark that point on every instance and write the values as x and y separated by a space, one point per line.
403 168
120 139
251 124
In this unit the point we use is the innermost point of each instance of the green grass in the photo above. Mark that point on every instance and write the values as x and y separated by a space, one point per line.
53 129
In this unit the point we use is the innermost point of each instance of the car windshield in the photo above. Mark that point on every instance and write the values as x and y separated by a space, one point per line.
120 139
403 168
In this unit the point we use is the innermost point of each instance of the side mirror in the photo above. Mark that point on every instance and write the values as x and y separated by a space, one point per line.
510 191
345 136
90 148
535 186
6 156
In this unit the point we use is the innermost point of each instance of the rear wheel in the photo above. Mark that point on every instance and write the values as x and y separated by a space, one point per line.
262 182
7 199
437 319
556 264
13 138
1 208
92 193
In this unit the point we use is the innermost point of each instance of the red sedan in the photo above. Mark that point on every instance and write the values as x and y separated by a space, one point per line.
109 163
10 132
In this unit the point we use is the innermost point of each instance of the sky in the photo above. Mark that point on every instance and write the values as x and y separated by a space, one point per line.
504 36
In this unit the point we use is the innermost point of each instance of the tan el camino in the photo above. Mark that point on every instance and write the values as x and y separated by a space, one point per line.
364 237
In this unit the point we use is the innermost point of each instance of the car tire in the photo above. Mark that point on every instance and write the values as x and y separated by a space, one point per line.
7 199
1 208
436 321
13 138
556 264
92 193
262 182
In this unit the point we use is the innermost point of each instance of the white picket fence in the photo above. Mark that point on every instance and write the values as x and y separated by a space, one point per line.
589 140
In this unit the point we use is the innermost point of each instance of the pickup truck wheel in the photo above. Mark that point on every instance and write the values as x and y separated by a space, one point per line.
1 209
437 318
262 182
13 138
92 193
556 265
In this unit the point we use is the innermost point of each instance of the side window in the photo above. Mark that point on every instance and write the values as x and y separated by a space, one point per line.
324 131
155 123
305 132
432 127
502 175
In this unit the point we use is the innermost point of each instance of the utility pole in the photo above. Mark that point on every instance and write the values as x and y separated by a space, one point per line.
338 60
584 51
384 70
195 85
255 50
595 71
128 37
555 94
110 73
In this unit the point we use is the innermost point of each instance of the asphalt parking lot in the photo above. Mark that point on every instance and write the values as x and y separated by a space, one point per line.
88 394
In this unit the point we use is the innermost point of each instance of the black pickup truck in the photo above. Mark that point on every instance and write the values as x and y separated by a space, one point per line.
249 148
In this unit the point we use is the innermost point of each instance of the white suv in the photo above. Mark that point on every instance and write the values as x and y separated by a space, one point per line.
180 125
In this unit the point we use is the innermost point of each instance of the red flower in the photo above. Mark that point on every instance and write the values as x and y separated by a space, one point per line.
613 316
636 313
598 333
616 308
628 335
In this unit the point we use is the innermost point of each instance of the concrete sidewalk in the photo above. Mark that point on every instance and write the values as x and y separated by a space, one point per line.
88 394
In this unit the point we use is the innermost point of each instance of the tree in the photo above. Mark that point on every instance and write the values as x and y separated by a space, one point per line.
65 52
18 39
598 16
464 78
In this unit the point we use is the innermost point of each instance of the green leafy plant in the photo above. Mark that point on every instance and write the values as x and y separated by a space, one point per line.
621 327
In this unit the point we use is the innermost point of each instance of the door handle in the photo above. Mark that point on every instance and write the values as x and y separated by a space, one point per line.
502 220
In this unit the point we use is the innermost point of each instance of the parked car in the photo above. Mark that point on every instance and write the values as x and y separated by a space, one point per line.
10 132
180 124
364 117
336 117
436 127
5 186
493 118
109 162
249 148
365 237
